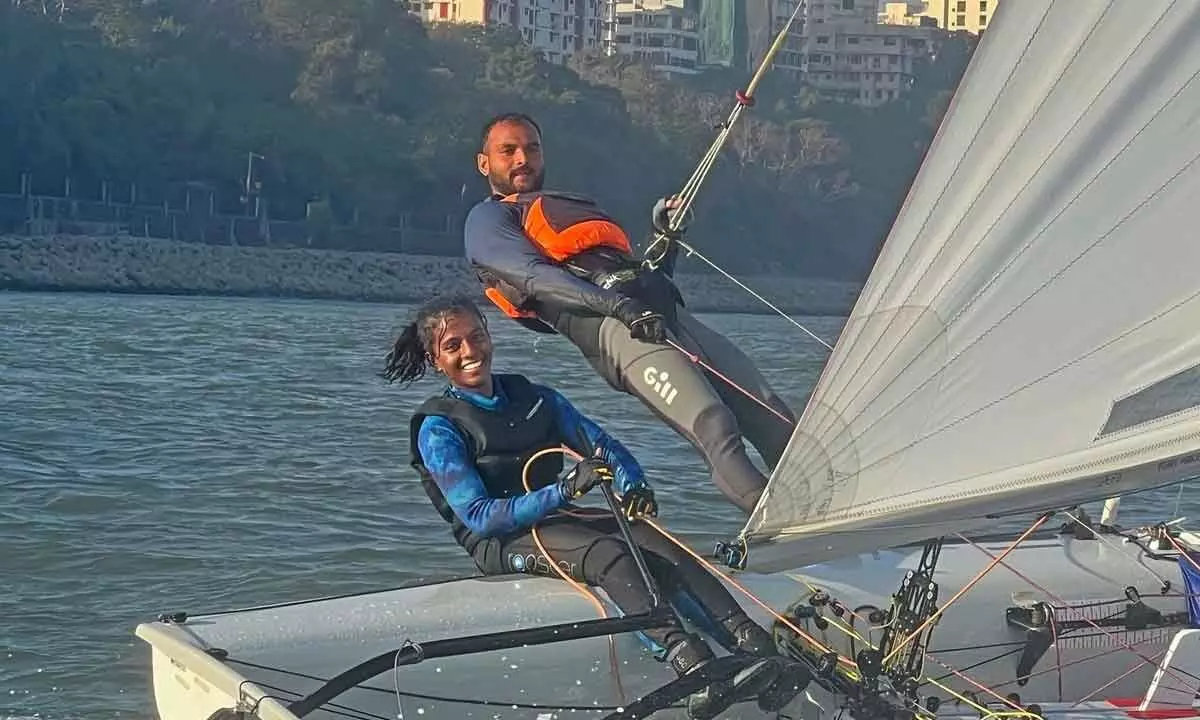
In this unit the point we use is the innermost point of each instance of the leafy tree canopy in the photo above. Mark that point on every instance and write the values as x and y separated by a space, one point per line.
358 106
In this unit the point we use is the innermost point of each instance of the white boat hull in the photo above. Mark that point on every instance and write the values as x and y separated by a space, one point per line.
288 651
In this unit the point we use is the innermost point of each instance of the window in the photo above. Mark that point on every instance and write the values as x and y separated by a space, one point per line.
962 6
960 20
847 4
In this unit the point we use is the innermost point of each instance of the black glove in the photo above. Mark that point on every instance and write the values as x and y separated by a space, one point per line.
638 503
587 474
643 323
660 217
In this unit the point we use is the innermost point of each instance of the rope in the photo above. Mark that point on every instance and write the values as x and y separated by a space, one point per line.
707 565
812 641
852 672
614 663
1105 541
745 98
698 361
1112 636
995 561
656 252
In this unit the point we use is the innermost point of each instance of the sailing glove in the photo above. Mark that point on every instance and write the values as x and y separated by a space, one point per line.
639 503
587 474
660 217
643 323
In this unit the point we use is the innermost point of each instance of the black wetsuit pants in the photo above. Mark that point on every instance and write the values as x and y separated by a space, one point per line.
591 550
707 411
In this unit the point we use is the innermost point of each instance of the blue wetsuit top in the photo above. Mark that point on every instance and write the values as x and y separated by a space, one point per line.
445 455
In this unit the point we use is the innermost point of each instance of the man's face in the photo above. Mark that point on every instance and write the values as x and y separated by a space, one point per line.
512 158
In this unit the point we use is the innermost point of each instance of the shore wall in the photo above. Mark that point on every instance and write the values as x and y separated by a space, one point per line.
136 265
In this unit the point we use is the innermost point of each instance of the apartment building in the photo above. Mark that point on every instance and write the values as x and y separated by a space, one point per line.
849 56
957 15
662 32
558 28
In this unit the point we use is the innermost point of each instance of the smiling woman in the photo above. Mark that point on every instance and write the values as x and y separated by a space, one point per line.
471 445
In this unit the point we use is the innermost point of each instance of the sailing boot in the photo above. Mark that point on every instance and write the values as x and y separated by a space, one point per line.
750 637
691 653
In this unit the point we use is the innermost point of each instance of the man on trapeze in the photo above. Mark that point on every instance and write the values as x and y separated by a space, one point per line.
556 262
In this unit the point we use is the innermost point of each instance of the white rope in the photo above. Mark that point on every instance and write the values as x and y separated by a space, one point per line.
657 251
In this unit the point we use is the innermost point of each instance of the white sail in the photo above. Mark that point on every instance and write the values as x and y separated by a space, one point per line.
1030 334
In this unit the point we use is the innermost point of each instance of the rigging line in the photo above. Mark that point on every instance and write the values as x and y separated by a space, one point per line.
422 696
698 361
1181 549
812 641
754 598
926 679
692 251
1057 668
1112 636
691 188
974 705
1122 676
614 662
745 98
1162 581
995 561
330 707
396 682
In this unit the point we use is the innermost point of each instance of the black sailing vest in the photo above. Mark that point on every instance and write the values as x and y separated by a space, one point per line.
500 442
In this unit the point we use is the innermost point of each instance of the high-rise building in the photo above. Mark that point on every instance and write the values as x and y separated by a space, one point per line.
849 55
557 28
955 15
661 32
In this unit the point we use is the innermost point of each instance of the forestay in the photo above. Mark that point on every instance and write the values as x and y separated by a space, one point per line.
1030 334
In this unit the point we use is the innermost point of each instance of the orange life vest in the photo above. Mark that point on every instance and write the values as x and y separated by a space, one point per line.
560 225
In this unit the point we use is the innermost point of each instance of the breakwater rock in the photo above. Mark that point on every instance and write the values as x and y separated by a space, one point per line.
141 265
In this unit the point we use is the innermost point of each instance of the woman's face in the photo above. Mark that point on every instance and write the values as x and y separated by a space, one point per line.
463 352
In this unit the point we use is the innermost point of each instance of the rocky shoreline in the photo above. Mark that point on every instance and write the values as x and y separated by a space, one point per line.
152 266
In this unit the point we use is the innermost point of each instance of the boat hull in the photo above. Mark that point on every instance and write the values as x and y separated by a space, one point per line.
232 659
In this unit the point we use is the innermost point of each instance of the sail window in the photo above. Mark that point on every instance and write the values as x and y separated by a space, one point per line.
1176 393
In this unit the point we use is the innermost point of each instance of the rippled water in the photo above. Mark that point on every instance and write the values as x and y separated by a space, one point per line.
194 453
162 454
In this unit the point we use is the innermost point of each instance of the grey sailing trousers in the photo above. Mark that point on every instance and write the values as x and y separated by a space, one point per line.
707 411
